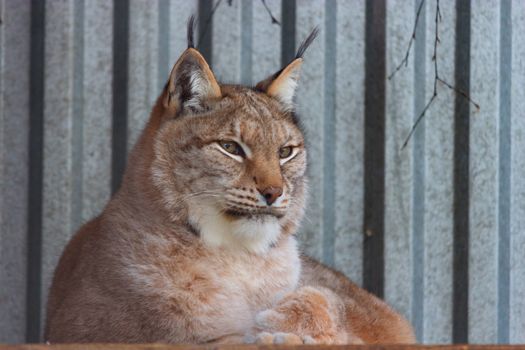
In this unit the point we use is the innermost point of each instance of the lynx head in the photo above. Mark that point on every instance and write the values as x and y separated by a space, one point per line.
230 160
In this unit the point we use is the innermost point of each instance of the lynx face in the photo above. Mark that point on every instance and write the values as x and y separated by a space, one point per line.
231 158
238 167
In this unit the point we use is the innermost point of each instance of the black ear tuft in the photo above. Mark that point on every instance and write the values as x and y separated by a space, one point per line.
307 42
191 27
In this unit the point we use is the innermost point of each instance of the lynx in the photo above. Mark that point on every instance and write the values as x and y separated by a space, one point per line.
198 245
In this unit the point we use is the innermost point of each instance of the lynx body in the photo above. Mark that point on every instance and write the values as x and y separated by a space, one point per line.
198 244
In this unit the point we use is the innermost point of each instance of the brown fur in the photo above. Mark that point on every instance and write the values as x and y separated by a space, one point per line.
160 265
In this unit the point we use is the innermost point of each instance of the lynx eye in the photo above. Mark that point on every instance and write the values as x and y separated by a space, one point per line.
285 152
232 147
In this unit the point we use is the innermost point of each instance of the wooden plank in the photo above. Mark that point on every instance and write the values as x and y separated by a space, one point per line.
349 138
226 37
14 129
517 184
484 130
250 347
60 63
143 86
400 114
310 105
437 165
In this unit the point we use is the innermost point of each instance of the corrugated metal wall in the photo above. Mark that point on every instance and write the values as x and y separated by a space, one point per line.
436 228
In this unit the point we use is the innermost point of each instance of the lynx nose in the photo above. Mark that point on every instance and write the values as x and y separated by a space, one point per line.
271 194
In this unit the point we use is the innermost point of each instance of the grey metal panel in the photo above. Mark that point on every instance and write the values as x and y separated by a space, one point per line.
246 48
57 213
266 41
484 83
504 175
517 185
423 90
143 88
438 183
398 162
349 142
97 106
226 37
14 127
310 102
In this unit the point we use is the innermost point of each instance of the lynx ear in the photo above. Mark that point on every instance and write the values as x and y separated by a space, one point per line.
191 81
283 84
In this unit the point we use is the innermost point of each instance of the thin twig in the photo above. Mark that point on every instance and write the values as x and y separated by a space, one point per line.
436 75
404 62
274 20
208 21
230 3
417 121
437 78
459 92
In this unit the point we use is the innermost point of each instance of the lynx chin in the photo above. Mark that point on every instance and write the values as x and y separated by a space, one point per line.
198 245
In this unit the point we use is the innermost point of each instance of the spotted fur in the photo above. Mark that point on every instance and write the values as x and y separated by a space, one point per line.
198 245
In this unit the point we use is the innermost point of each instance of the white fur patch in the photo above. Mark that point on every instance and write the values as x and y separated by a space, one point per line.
223 151
216 230
267 318
286 92
245 148
200 90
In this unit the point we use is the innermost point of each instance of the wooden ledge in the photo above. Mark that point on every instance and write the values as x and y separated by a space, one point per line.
251 347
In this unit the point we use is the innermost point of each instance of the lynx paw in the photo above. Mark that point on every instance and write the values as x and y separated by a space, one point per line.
278 338
301 317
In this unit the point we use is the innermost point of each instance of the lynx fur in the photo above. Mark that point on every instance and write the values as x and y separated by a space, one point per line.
198 245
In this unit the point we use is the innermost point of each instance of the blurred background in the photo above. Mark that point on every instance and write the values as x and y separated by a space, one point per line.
437 228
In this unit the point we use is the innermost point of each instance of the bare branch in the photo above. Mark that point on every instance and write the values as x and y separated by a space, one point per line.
230 3
437 78
459 92
436 75
404 62
418 120
274 20
208 21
